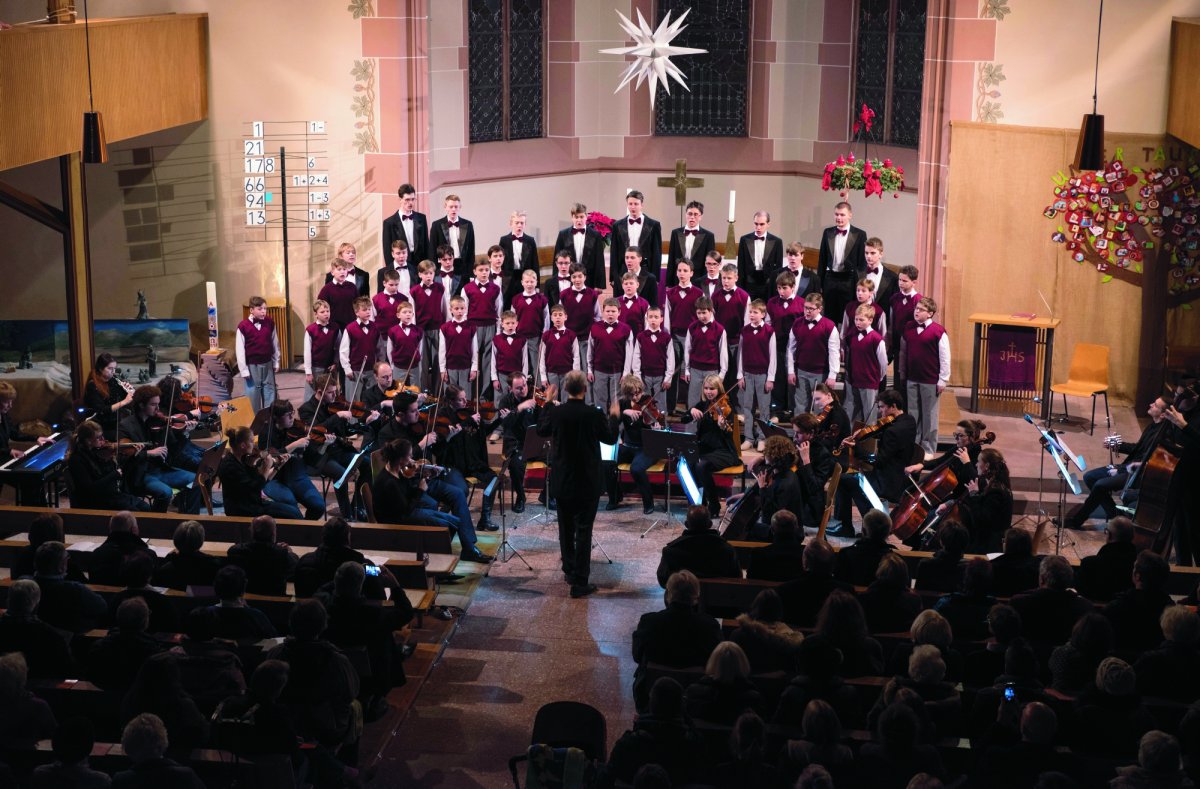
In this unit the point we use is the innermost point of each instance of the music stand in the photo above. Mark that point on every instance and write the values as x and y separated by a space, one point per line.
671 447
537 448
769 429
505 545
1055 446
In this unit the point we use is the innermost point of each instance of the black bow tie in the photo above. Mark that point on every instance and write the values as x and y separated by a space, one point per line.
811 323
519 238
690 232
577 230
364 325
452 224
633 221
257 325
862 335
842 232
407 217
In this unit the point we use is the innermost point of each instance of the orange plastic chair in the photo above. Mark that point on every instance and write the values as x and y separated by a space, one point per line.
1088 377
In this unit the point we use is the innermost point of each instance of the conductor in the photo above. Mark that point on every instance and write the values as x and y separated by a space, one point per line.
575 478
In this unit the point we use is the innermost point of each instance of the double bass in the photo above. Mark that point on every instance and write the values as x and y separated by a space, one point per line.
1154 518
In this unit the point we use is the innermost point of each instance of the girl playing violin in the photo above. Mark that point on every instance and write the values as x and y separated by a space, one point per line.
330 458
714 436
93 474
988 505
636 410
834 422
467 449
244 473
287 440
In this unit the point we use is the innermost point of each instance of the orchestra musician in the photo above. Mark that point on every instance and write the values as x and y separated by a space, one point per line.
814 466
154 473
779 487
987 508
244 473
893 451
93 476
291 484
634 416
106 395
177 401
834 422
967 435
31 495
1183 497
331 457
714 436
467 449
518 412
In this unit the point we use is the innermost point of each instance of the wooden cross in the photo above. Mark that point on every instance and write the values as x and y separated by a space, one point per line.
680 182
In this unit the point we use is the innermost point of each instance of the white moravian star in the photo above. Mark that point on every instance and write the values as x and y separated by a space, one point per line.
652 52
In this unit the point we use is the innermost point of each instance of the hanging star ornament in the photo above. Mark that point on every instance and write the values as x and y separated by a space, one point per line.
652 52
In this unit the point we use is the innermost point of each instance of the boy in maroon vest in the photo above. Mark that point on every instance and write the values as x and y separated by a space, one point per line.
864 293
404 341
258 354
583 309
925 365
866 365
533 318
385 302
782 311
900 314
398 264
705 351
654 357
731 308
609 355
340 294
633 307
360 348
559 352
320 346
429 313
756 372
814 352
679 317
458 348
484 299
508 354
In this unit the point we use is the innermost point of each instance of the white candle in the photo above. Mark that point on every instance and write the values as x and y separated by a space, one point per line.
628 189
732 205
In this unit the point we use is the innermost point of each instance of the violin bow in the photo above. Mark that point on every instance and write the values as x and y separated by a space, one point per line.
320 401
411 361
358 379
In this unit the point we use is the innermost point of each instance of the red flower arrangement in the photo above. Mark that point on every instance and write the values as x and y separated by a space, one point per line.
873 176
601 223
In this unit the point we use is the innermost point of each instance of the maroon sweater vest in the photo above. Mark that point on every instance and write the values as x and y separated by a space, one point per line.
560 350
902 314
782 315
323 343
581 310
729 310
812 346
531 314
385 310
683 308
406 347
508 352
862 360
922 365
457 337
609 347
428 311
481 303
633 312
260 343
363 345
755 349
705 346
653 348
853 308
341 301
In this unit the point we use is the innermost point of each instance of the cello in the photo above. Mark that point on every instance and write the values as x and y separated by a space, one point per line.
1154 518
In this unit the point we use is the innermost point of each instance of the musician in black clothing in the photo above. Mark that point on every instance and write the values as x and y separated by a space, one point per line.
243 474
186 455
29 494
467 451
94 478
151 469
834 424
376 397
893 451
106 395
291 484
815 464
781 487
633 419
1183 495
714 437
518 412
988 505
334 455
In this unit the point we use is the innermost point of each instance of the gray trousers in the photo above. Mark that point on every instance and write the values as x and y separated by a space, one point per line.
923 405
462 379
557 380
483 336
532 349
430 374
260 385
860 404
653 384
805 382
604 389
582 346
755 391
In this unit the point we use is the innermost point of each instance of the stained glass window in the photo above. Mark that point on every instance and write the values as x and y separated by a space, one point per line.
889 68
506 69
715 104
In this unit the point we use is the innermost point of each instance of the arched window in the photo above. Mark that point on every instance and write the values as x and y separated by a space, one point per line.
505 43
889 67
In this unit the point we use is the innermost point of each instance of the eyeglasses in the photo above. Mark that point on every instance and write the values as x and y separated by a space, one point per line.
960 435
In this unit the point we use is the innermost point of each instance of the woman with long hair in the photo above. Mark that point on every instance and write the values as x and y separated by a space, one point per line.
714 437
989 505
106 395
243 473
95 479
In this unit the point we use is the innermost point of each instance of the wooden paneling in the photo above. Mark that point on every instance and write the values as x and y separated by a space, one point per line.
148 73
1183 103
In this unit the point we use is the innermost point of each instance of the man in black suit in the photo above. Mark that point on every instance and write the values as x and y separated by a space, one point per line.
637 230
520 253
893 452
700 549
585 244
458 234
678 636
760 258
842 261
410 225
575 478
887 282
690 242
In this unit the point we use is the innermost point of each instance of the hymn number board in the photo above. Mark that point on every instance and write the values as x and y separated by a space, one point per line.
303 179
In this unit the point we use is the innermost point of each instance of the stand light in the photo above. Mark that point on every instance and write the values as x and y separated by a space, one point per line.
94 149
1089 154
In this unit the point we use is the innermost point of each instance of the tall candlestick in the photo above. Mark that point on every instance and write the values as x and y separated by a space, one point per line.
732 205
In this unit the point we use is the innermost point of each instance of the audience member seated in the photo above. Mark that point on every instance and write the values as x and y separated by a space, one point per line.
929 627
23 716
1159 765
135 574
319 566
803 597
769 644
21 630
856 564
889 603
679 636
104 566
782 559
747 744
1073 665
263 727
235 619
67 605
985 664
1020 674
966 609
1049 612
1110 571
1170 670
1017 755
662 736
926 676
814 776
1110 718
842 621
72 745
821 744
158 689
942 572
355 622
1134 613
700 549
725 691
44 528
895 756
819 662
268 564
145 743
208 668
1015 570
187 565
322 685
115 660
1189 740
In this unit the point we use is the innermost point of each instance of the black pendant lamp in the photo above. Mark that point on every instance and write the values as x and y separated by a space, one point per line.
94 149
1089 154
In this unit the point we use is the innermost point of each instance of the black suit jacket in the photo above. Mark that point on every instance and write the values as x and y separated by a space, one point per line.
893 452
379 276
855 256
553 290
455 286
418 246
647 287
705 553
439 234
649 243
772 261
529 258
807 282
889 285
593 254
361 278
578 429
704 243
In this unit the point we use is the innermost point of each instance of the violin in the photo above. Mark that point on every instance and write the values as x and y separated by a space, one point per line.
864 432
110 450
721 409
358 409
649 408
162 421
426 469
540 398
410 388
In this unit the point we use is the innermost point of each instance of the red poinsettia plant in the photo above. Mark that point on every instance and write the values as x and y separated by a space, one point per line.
601 223
873 176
